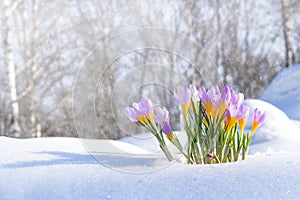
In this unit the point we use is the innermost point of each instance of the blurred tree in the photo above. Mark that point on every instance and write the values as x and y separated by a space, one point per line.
46 45
8 8
287 32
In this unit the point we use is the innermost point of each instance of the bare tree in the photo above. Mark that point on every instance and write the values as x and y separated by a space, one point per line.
8 10
43 50
287 32
30 57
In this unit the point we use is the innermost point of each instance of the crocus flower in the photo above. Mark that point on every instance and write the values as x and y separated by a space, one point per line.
131 114
166 129
231 116
210 100
161 115
141 111
236 99
214 94
194 93
224 100
144 107
243 113
183 97
210 156
202 94
258 119
206 100
226 95
194 97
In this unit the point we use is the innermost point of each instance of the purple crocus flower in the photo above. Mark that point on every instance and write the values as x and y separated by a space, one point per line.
232 111
258 118
183 96
225 95
202 94
161 115
224 100
131 114
214 94
231 116
144 107
141 111
194 93
166 129
243 113
236 99
210 99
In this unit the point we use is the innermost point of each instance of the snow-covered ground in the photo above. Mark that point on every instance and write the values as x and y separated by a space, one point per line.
134 168
284 92
60 168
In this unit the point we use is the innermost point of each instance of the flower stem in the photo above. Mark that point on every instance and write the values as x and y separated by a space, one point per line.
166 152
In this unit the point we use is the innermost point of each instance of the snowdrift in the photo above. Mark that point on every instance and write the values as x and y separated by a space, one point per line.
284 91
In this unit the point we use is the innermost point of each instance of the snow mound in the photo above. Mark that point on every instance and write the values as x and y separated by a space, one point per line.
284 91
276 126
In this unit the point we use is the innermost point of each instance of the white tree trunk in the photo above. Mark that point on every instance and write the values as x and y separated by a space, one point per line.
287 32
30 31
190 35
14 129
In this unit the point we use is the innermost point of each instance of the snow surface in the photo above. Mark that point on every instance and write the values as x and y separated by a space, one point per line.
134 167
61 168
284 91
277 125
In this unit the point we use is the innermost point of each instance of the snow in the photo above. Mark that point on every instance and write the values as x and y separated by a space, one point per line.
135 168
60 168
284 91
278 125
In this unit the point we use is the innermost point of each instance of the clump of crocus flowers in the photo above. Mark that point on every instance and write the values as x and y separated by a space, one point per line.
214 124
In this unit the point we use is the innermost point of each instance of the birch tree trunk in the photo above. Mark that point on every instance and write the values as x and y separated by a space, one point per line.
14 128
190 35
33 106
287 32
219 41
